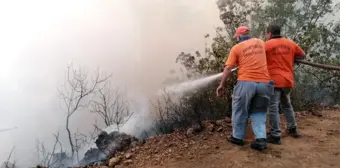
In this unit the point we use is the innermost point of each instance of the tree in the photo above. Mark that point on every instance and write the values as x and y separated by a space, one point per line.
112 107
74 93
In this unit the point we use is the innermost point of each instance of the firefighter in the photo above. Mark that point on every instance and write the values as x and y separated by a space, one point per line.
281 54
251 94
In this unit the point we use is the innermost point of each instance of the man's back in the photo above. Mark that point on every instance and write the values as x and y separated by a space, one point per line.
281 53
251 58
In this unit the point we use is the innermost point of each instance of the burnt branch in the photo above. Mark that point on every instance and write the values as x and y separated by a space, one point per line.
51 158
112 107
8 129
8 163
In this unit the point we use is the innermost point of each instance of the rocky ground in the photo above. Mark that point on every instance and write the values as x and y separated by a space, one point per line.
319 147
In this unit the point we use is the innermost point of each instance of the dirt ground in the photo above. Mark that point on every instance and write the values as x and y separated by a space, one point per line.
319 147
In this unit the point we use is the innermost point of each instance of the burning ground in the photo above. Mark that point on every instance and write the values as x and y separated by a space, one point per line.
206 146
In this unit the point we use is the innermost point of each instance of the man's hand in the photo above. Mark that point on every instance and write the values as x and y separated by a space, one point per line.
219 91
226 73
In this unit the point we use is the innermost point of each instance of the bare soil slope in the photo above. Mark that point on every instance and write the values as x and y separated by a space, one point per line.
319 147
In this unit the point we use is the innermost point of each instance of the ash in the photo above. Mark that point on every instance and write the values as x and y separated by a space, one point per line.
108 145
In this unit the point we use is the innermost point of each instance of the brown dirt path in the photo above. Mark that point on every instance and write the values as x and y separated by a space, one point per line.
319 147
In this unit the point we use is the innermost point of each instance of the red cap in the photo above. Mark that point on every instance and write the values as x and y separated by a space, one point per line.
242 30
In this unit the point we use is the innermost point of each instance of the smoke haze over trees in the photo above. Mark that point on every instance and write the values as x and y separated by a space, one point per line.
40 38
137 42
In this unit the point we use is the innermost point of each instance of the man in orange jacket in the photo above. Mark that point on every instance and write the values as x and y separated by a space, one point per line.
253 89
281 54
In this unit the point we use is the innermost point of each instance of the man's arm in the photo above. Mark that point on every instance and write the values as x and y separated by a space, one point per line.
229 65
226 73
231 62
299 53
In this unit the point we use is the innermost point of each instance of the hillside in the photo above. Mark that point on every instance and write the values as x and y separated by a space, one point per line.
319 147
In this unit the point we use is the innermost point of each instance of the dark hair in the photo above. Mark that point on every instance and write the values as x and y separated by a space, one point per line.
274 29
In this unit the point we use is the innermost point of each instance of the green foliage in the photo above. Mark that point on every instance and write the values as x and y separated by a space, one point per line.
309 23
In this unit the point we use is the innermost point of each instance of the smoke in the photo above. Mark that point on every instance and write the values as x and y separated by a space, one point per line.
136 41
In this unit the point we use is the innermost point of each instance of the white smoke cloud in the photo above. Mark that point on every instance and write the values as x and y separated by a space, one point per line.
136 41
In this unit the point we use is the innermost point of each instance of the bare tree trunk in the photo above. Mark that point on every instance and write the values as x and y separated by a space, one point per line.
77 147
69 135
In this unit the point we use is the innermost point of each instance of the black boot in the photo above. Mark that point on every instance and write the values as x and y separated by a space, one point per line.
235 141
274 140
293 133
259 144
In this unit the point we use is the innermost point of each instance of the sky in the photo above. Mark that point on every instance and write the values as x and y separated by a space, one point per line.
137 41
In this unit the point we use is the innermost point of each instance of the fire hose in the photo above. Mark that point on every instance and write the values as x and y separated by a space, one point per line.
323 66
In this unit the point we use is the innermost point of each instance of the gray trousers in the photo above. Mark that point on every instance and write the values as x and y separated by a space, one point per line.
281 97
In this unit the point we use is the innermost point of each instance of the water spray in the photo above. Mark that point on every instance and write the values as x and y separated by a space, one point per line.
191 85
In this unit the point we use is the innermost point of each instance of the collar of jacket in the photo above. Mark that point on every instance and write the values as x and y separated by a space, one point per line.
244 38
276 36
